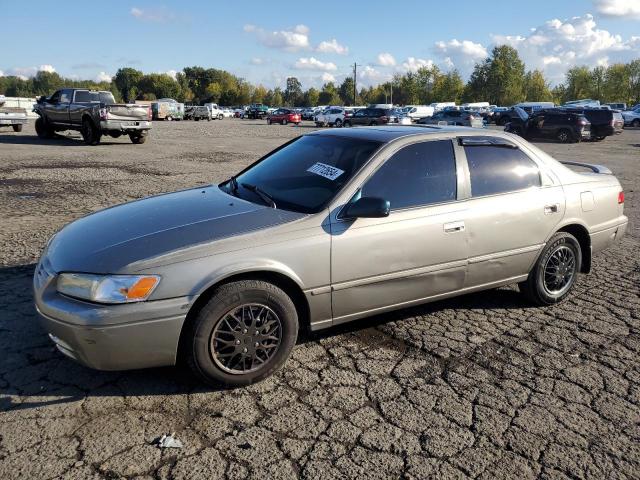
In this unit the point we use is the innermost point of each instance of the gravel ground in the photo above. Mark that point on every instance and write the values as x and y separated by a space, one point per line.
482 386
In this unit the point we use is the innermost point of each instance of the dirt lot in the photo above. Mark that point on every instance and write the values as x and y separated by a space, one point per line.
480 386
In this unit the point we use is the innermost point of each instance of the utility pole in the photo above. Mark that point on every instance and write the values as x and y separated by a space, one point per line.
391 85
355 81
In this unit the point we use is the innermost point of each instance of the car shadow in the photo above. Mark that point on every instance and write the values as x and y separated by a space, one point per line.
34 374
57 141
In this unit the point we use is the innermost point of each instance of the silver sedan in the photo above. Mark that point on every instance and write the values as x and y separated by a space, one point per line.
330 227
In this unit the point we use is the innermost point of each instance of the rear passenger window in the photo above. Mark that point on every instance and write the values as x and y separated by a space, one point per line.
496 169
416 175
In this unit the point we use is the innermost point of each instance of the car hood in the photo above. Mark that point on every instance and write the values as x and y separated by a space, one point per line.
109 240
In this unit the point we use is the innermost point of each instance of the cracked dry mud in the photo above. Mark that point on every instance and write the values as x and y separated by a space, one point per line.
482 386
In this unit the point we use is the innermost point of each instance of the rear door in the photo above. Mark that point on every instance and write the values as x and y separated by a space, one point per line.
418 251
360 117
514 207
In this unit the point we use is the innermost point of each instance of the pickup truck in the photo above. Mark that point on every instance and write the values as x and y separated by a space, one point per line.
93 114
12 116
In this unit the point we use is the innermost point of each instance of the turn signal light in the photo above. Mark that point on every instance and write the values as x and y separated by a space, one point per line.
140 289
620 197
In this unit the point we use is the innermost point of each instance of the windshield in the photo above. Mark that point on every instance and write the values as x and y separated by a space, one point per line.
521 113
305 174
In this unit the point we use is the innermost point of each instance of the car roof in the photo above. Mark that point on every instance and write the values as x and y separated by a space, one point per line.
388 133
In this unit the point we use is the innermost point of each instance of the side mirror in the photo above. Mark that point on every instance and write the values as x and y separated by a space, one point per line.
367 207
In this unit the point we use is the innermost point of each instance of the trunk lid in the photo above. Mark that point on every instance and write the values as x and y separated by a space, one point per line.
121 111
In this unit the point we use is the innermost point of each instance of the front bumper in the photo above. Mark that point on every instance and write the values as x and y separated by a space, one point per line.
110 337
124 126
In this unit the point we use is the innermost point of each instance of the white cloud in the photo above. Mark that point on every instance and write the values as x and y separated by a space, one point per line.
386 59
332 46
26 72
327 77
462 55
257 61
289 40
102 77
158 15
172 73
314 64
618 8
559 45
46 68
1 73
413 64
372 76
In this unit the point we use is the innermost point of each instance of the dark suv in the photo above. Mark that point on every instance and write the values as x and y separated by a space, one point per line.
451 117
604 122
563 125
372 116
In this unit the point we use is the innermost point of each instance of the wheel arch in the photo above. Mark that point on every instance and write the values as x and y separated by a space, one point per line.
584 239
283 281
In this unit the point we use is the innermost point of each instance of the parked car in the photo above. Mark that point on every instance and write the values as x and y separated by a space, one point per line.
227 113
215 111
257 111
326 229
14 117
617 106
308 114
604 122
372 116
167 109
93 113
562 125
284 116
333 116
631 118
454 117
194 112
437 106
416 112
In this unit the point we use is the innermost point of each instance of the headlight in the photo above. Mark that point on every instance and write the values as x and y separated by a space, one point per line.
107 288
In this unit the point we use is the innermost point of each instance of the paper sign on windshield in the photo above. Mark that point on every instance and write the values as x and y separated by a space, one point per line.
326 171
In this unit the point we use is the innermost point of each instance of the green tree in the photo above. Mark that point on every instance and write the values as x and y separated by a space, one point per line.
634 82
346 91
159 84
126 81
536 88
578 83
505 76
617 83
311 97
274 98
478 85
293 92
214 91
259 94
45 83
448 87
329 95
597 81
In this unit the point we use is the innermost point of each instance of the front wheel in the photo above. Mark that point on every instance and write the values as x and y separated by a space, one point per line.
268 121
42 130
555 272
243 334
564 136
636 123
17 128
284 121
347 123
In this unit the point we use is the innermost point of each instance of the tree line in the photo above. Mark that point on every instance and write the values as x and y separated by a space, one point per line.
501 79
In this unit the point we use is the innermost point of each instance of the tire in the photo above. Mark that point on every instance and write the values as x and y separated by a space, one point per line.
347 123
636 123
17 128
268 121
337 123
284 121
562 247
502 121
220 117
138 138
90 133
372 124
42 130
196 119
564 136
277 321
169 118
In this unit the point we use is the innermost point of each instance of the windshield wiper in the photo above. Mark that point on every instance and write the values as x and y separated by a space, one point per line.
268 199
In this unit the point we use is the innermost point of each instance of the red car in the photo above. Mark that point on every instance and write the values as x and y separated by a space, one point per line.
284 116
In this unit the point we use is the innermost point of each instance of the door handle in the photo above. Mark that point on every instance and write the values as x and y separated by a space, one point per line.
549 209
452 227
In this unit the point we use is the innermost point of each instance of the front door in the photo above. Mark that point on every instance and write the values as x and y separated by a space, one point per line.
417 252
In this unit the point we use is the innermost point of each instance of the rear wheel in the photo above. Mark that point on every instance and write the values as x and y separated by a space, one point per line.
337 123
636 123
564 135
138 138
555 272
17 128
372 123
347 123
169 118
268 121
90 134
243 334
220 117
284 121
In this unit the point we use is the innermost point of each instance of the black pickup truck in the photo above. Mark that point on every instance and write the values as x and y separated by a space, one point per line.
93 114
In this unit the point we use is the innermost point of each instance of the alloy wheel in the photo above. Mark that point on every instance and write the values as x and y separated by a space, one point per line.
559 270
246 338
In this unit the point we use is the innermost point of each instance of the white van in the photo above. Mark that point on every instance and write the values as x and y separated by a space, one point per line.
475 105
534 106
437 106
215 110
416 112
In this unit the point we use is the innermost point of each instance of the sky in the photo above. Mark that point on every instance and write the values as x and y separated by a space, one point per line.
266 42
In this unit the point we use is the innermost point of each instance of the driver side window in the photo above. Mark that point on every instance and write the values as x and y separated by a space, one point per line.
419 174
